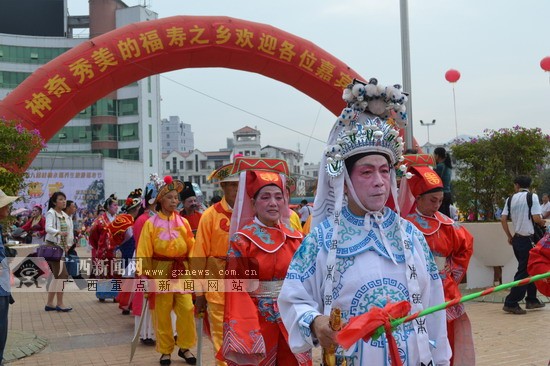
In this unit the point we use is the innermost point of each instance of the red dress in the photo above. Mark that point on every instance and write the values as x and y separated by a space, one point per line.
452 247
193 219
539 263
253 332
39 227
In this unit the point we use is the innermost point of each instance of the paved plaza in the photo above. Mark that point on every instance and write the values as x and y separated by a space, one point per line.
96 333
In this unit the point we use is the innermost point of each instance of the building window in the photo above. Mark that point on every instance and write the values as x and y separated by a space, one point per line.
189 165
30 55
150 158
168 143
149 84
104 132
150 133
203 164
253 153
174 164
10 80
167 165
73 135
129 154
150 109
167 135
104 107
127 107
247 153
128 132
181 164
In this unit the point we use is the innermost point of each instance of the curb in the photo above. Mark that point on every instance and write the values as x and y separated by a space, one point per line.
22 344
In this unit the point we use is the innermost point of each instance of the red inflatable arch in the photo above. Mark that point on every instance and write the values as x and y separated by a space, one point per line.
59 90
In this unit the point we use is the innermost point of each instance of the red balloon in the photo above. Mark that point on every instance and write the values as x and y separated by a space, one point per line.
452 76
545 63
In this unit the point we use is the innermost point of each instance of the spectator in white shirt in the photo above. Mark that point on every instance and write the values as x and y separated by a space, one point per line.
545 207
304 211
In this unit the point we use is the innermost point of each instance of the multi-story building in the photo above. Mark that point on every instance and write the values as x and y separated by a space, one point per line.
195 166
310 176
246 142
123 126
295 161
176 135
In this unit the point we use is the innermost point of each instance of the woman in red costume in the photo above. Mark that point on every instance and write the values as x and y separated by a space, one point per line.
253 331
451 246
539 263
36 225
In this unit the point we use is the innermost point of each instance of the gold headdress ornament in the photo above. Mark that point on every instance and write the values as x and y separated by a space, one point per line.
370 123
223 174
170 184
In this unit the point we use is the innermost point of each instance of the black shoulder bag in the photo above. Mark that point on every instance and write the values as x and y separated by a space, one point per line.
539 231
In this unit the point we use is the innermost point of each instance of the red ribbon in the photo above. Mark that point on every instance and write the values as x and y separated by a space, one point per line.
365 326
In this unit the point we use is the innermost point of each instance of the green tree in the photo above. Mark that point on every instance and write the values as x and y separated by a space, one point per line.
486 166
17 149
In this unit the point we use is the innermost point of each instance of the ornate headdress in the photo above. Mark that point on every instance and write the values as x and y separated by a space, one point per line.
151 189
133 200
370 123
168 184
109 201
187 191
419 178
223 174
254 174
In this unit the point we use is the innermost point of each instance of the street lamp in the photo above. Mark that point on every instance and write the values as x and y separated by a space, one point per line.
428 124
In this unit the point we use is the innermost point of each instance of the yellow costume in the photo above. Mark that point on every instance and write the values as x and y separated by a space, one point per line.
209 252
164 245
295 221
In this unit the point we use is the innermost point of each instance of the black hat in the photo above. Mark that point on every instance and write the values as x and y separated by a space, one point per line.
187 191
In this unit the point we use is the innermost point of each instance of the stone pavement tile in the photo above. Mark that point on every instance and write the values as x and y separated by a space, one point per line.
97 333
507 339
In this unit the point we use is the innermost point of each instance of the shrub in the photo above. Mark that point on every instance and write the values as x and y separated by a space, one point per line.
18 147
486 166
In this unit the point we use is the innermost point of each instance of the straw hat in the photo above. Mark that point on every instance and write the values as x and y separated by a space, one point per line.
5 199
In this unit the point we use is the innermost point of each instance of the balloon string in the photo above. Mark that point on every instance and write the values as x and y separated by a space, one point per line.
454 104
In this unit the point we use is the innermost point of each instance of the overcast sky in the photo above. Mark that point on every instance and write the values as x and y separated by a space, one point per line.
496 45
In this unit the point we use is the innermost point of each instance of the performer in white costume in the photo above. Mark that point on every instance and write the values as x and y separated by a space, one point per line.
375 257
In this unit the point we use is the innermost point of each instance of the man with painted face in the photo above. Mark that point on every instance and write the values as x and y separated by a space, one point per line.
360 253
190 212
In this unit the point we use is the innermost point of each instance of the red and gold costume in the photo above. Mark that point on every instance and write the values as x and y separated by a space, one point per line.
253 331
539 263
164 245
452 247
97 231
